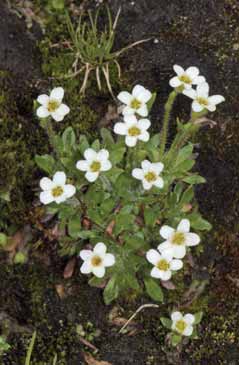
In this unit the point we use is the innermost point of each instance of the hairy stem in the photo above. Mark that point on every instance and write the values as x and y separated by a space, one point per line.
166 118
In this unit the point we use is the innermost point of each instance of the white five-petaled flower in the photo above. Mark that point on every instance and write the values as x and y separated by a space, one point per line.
178 239
163 263
135 102
133 129
97 260
52 105
201 98
56 190
149 174
183 324
94 163
186 78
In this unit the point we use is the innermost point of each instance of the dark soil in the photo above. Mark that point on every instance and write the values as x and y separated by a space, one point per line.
201 33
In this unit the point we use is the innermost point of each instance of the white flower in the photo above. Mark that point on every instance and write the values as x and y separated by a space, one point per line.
202 100
56 190
186 78
133 129
182 324
94 163
178 239
97 260
52 105
135 102
163 263
149 174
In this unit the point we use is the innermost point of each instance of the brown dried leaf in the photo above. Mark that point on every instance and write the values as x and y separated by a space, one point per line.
90 360
168 285
110 227
60 289
69 268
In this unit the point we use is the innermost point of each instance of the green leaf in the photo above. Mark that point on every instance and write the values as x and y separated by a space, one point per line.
166 322
107 138
154 290
96 145
184 166
151 215
111 291
83 144
3 239
187 196
184 154
117 154
58 4
69 139
46 163
175 339
197 222
87 234
194 179
123 222
198 317
74 227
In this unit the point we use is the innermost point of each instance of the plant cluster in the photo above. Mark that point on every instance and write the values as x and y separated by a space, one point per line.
126 203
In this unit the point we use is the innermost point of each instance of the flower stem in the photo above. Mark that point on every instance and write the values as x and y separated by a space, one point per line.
166 118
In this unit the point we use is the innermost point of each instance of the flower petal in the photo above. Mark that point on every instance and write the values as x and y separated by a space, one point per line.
144 136
128 111
144 124
130 141
203 90
176 316
179 251
146 165
63 109
178 70
164 246
153 256
46 183
188 331
196 107
166 275
143 111
43 99
211 107
85 254
167 254
98 271
155 273
57 116
138 89
103 155
216 99
60 199
166 231
192 239
57 94
159 183
59 178
130 120
192 72
176 265
46 197
82 165
42 112
144 96
199 80
109 260
100 249
86 268
189 318
91 176
175 82
138 174
146 184
69 190
106 165
90 154
125 97
120 128
184 226
191 93
158 167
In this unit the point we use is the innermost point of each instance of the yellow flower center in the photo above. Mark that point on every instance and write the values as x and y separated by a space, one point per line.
53 105
202 101
185 78
95 166
163 265
135 104
178 238
96 261
181 325
134 131
150 176
57 191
